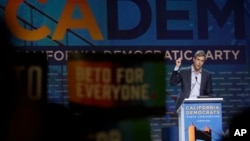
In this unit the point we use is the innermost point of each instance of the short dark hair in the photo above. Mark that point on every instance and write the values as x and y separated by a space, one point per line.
200 53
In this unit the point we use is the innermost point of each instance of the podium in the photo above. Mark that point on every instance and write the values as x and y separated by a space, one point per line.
200 118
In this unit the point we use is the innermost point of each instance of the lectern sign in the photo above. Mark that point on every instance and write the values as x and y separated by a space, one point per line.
201 119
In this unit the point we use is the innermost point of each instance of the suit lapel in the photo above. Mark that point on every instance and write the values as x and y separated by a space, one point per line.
189 81
202 82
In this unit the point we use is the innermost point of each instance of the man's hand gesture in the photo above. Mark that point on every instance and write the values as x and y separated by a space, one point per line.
178 62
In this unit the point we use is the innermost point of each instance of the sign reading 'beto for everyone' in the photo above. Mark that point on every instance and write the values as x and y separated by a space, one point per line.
116 81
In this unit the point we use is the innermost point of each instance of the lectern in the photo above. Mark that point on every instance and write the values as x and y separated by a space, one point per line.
200 119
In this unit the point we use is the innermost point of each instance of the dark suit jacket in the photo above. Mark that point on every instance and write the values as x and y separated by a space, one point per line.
183 76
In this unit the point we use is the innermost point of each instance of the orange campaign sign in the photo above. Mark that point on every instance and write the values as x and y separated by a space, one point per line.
116 82
88 81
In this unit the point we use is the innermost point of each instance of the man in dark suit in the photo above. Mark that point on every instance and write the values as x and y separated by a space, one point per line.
195 81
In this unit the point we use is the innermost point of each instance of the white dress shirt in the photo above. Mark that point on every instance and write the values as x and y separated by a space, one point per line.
195 83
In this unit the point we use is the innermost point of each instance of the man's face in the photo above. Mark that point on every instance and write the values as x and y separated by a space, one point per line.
198 62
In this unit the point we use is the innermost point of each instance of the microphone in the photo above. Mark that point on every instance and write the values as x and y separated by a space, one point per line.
193 85
196 80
